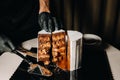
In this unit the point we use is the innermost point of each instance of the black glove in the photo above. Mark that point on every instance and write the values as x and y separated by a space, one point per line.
57 24
49 23
45 21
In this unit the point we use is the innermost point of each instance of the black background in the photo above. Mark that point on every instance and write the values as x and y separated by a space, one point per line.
18 19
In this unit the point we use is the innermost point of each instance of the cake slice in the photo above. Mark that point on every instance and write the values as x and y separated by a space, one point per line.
44 46
59 48
63 50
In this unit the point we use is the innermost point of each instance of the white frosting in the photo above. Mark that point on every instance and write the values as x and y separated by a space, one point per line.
74 35
57 31
75 49
43 32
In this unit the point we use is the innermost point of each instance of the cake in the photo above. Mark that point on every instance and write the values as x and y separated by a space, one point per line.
65 50
44 46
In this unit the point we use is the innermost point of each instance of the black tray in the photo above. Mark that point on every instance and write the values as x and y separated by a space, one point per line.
95 66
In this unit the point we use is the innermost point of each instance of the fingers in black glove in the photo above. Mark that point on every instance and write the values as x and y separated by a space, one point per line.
45 21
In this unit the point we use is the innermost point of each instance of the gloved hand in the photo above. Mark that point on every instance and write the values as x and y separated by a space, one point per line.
49 23
46 21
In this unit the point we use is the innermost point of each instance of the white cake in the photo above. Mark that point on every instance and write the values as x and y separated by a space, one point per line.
74 52
73 40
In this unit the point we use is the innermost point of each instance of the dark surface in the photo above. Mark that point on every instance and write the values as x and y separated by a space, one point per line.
95 66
